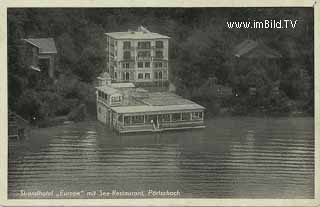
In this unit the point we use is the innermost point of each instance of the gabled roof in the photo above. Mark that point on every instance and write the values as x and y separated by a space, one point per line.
45 45
254 49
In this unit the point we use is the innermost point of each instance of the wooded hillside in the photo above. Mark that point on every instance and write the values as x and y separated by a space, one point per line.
200 47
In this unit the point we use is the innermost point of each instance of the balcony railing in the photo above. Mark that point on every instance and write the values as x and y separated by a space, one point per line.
144 48
128 48
144 58
129 58
158 58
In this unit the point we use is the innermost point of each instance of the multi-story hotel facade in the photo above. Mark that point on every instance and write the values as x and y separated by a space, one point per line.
138 56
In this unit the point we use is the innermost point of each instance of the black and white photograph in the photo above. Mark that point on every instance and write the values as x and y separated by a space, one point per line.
160 103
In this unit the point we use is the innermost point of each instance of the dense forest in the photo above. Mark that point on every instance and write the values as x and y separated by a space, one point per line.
200 47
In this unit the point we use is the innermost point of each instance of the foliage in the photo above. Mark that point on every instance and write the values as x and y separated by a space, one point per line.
200 47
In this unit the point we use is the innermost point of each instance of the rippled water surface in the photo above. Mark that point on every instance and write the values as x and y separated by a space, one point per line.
231 158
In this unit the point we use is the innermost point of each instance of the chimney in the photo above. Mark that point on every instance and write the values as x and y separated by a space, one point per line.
143 29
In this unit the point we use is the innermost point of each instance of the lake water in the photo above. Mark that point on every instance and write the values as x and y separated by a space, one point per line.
230 158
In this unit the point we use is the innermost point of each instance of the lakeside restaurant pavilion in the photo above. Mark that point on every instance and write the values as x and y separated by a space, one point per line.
126 108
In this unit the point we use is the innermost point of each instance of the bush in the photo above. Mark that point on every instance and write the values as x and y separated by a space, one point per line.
29 105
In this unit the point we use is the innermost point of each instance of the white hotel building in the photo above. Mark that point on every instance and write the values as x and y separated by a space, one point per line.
137 56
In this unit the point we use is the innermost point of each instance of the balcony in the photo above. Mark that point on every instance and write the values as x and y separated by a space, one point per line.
131 58
144 58
144 48
128 48
159 47
158 58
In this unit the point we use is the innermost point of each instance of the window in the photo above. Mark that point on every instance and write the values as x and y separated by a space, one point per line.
164 118
159 54
115 75
197 115
151 117
155 75
44 64
144 54
144 45
140 76
176 117
126 45
159 44
120 118
112 43
115 99
147 64
127 76
185 116
137 119
160 75
126 55
126 120
158 64
147 75
125 65
140 64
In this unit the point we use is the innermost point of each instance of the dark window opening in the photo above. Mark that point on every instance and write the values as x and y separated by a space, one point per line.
159 44
44 64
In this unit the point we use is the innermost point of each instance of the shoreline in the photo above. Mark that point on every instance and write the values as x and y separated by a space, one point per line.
210 116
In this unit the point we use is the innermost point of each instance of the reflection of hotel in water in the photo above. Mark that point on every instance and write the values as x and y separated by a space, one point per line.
126 108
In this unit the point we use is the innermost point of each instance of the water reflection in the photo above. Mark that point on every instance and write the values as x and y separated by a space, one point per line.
231 158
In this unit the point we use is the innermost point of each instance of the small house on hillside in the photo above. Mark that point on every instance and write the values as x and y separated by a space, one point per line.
40 54
250 56
255 49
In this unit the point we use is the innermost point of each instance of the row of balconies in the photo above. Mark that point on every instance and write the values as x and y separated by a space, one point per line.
144 68
128 76
133 58
142 48
136 68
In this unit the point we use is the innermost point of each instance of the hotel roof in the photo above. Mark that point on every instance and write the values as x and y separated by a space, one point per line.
136 35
